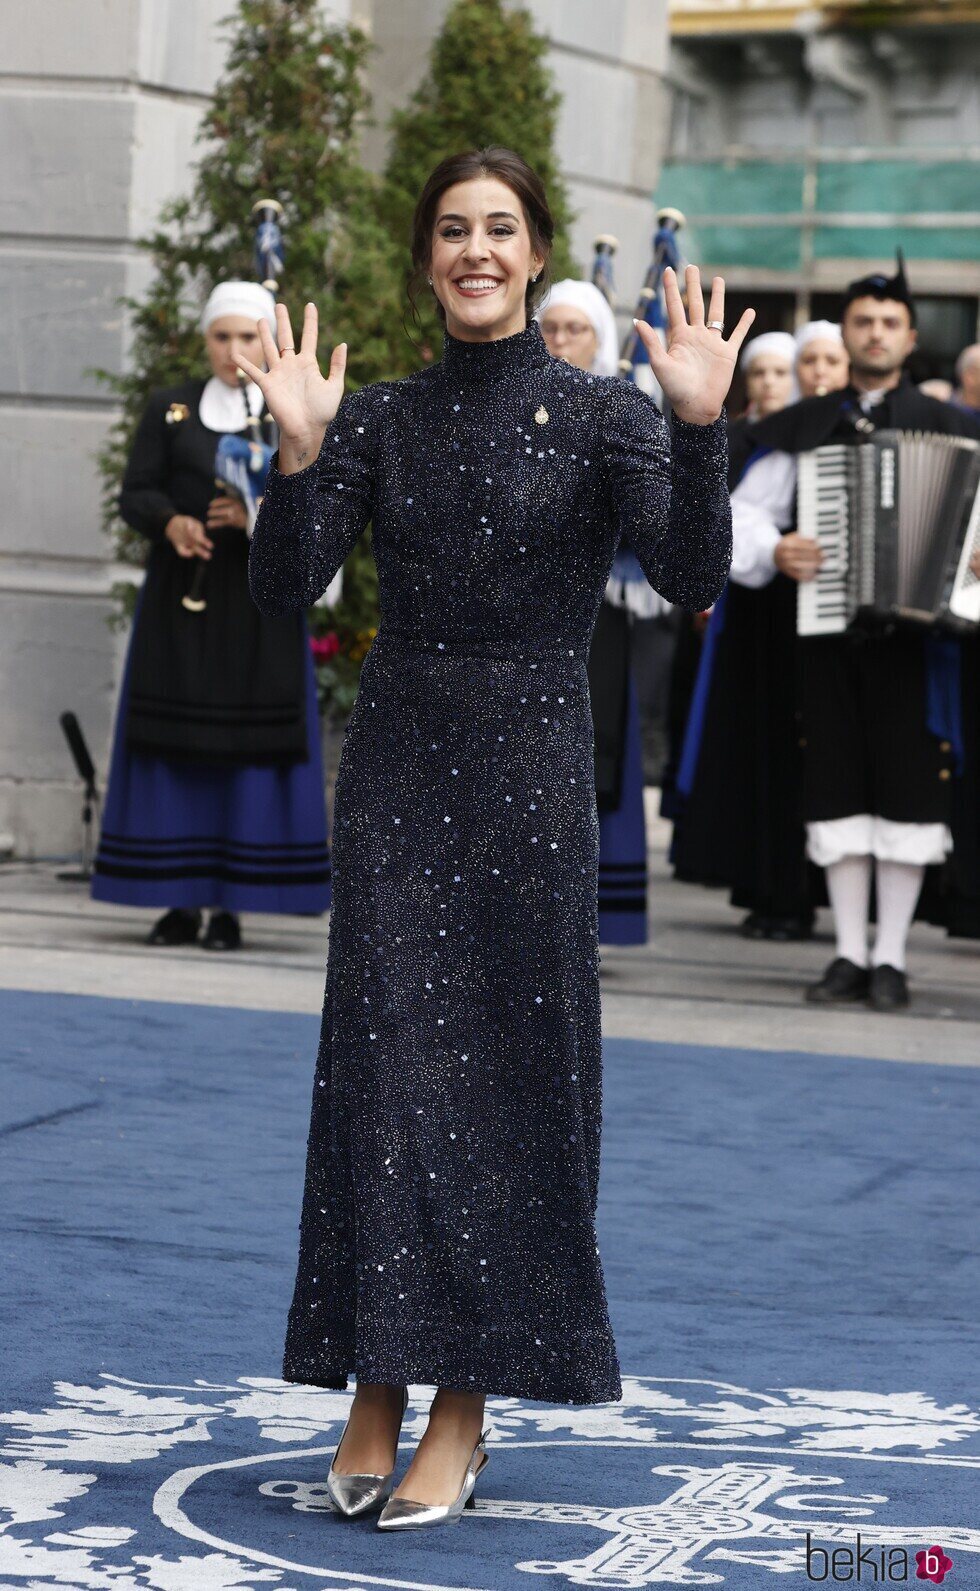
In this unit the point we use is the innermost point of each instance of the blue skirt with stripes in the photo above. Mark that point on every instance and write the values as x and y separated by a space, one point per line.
237 838
623 844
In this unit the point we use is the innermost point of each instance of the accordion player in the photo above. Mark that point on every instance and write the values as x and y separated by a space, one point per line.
884 480
897 520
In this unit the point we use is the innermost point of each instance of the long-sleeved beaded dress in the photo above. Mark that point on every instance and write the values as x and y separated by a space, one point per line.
448 1231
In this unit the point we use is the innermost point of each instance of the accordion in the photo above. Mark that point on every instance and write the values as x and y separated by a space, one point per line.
898 520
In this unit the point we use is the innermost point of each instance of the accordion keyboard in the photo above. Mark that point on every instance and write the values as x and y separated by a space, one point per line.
822 499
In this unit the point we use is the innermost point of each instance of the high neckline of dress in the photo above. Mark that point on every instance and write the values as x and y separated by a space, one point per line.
503 356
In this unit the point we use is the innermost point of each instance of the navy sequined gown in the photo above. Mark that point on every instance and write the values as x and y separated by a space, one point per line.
448 1224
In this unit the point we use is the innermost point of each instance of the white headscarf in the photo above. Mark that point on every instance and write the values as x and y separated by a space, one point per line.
814 329
587 297
240 298
769 342
222 408
631 592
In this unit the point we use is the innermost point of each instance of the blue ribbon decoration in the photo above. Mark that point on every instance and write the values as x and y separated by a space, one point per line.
694 728
626 566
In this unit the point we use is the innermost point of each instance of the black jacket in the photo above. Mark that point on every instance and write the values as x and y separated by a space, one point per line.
225 685
815 421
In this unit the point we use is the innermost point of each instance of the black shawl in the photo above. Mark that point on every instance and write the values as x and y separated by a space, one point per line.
815 421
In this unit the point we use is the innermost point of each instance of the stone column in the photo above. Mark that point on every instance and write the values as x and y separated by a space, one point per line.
99 104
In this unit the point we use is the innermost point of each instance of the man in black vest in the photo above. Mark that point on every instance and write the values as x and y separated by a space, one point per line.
876 778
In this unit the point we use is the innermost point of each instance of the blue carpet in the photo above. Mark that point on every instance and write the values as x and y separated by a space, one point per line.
790 1252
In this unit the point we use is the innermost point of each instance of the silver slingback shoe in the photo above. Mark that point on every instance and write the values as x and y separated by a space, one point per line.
403 1513
358 1494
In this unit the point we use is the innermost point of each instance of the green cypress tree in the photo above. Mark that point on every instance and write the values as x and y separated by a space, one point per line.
282 124
487 83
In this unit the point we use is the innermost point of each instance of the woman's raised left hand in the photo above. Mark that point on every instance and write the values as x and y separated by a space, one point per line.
695 369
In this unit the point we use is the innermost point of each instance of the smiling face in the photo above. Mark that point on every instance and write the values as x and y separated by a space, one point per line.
226 339
570 335
879 336
769 383
482 259
821 367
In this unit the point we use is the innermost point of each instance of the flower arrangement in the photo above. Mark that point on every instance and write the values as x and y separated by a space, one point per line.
338 650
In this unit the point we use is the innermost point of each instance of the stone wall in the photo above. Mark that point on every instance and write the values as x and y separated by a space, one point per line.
99 104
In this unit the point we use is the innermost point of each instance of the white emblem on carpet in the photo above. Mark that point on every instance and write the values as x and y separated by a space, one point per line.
718 1476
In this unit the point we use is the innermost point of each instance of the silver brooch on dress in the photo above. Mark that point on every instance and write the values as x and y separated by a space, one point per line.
541 417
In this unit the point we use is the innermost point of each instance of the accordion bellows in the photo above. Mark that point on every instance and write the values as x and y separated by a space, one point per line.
898 520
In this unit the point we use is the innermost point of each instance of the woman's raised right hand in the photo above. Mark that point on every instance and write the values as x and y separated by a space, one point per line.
300 400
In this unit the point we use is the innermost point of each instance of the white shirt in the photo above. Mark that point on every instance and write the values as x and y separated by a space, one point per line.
867 400
762 507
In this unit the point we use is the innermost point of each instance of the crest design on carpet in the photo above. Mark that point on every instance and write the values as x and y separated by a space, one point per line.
127 1486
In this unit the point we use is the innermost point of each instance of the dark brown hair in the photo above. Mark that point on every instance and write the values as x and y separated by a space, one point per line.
509 167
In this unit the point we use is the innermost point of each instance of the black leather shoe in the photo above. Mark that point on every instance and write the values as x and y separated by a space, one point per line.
177 927
888 989
841 982
781 929
223 932
787 930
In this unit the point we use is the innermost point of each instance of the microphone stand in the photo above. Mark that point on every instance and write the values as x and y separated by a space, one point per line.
90 800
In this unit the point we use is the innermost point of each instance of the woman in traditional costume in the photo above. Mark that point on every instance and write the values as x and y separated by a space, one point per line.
736 814
578 325
216 791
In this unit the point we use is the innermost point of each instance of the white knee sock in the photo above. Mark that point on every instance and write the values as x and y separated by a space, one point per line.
898 885
849 888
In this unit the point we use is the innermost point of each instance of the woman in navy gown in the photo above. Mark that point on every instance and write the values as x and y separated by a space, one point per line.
448 1226
216 795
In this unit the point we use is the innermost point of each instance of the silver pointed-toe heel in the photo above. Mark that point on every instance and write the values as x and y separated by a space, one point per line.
402 1513
354 1495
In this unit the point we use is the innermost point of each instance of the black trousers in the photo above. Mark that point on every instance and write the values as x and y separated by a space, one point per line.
865 744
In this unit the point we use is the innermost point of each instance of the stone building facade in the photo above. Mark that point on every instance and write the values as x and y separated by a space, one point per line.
808 141
99 105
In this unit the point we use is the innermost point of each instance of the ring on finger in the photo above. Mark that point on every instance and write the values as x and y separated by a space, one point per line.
716 325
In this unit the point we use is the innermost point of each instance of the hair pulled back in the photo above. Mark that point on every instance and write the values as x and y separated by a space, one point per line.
510 168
